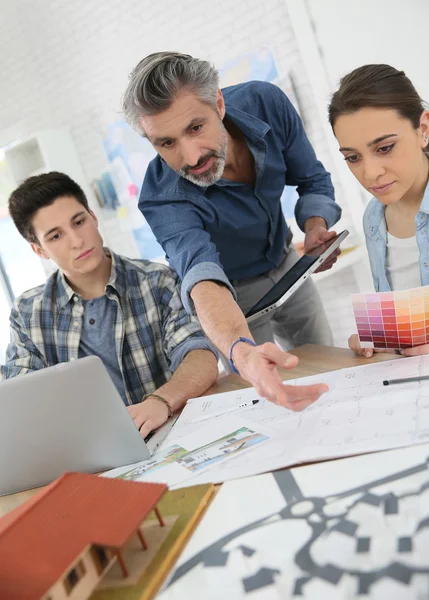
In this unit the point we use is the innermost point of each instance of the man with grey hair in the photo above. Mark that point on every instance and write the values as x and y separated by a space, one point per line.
212 199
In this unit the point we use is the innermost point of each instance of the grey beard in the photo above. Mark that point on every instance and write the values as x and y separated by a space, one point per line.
215 173
209 178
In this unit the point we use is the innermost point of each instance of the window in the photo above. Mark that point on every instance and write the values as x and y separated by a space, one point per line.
74 576
101 558
20 268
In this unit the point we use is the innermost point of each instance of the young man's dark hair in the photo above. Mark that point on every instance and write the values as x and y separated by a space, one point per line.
36 193
126 311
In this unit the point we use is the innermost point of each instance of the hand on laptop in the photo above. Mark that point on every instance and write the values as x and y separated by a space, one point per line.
148 415
257 364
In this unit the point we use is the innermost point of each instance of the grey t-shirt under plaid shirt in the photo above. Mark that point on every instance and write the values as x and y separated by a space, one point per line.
152 331
98 337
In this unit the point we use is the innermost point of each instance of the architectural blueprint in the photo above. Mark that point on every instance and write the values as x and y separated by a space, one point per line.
354 528
358 414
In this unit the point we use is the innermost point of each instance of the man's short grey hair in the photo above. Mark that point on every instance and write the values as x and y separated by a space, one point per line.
159 78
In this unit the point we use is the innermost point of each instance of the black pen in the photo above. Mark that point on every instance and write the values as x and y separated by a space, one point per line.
405 380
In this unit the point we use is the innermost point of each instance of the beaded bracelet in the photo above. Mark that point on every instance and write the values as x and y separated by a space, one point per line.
161 399
231 362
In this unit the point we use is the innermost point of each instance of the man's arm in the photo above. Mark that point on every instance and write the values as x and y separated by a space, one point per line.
192 358
304 170
180 230
196 373
206 289
22 355
316 210
223 322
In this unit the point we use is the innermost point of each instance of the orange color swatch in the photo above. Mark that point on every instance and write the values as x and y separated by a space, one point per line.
392 319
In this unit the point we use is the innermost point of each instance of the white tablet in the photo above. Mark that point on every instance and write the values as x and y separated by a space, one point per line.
295 277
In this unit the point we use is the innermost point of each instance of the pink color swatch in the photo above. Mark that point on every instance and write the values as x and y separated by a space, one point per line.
392 319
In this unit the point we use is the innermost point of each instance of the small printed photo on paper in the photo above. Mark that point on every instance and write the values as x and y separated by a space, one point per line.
233 443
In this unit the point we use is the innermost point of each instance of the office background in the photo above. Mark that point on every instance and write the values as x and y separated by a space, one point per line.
65 66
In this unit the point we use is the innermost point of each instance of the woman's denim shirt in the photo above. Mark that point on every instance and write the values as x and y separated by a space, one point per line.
374 226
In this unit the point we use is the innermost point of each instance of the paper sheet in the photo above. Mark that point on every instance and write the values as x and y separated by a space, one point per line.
185 455
353 528
208 406
357 415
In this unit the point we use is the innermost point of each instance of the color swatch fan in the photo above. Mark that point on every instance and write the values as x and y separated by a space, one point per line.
392 319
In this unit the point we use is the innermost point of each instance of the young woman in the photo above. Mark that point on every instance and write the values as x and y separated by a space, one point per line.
382 127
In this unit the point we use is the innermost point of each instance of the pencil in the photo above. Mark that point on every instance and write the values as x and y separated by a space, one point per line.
405 380
225 411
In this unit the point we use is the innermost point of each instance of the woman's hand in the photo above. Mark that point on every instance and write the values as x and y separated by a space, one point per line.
416 351
354 344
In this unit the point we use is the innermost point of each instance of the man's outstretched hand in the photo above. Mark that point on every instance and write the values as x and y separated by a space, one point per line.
257 364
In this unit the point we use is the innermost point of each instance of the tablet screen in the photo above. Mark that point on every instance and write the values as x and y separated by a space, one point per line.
284 284
291 277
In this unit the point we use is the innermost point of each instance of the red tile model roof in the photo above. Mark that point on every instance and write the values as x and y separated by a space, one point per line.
40 539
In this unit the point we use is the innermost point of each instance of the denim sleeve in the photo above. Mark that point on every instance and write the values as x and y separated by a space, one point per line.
313 182
179 229
205 271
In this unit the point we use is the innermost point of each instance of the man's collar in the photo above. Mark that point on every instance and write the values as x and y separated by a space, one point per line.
250 126
65 292
116 281
117 274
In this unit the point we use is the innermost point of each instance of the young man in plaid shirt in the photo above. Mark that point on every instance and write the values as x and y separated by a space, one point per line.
127 312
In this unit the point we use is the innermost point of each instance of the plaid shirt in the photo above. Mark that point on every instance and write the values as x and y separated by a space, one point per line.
153 332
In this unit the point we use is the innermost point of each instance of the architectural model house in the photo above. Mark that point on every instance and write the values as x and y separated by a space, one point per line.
61 543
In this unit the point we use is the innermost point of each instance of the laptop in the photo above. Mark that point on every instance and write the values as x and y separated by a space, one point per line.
69 417
295 277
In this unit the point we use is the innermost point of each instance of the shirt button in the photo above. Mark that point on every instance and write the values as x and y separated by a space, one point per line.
76 323
75 298
91 321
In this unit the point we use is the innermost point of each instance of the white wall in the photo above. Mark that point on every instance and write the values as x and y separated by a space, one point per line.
336 37
352 34
66 63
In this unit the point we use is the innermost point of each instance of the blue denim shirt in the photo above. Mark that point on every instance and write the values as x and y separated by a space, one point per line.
374 225
231 230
